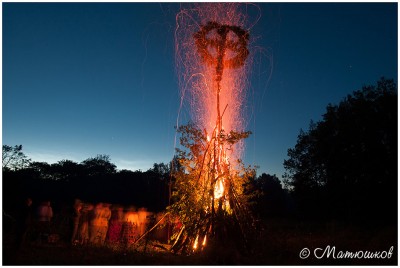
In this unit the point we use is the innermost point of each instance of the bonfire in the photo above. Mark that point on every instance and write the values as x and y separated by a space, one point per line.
208 196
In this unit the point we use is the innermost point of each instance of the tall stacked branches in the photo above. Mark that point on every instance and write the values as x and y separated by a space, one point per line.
213 60
195 184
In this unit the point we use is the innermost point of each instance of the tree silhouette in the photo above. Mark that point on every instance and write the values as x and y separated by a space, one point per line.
346 165
67 170
161 168
101 164
93 180
270 198
13 158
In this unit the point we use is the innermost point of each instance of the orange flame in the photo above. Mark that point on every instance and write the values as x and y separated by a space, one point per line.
213 67
196 242
219 189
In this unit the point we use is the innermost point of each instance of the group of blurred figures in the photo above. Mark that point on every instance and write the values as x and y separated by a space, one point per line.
26 218
90 224
103 222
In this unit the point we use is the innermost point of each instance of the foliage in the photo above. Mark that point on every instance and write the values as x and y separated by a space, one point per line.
269 199
161 168
93 180
13 157
346 164
194 183
101 164
67 170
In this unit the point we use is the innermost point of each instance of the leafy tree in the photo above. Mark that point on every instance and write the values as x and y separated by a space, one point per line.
161 169
195 202
346 164
99 165
42 170
13 157
67 170
270 198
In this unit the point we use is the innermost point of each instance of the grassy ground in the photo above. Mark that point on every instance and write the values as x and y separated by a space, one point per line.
282 241
279 243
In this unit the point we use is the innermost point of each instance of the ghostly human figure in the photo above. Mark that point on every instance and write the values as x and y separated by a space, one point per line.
75 220
84 223
114 233
95 222
130 226
143 216
104 218
24 222
44 216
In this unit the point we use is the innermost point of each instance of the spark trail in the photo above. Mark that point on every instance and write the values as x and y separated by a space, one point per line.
212 64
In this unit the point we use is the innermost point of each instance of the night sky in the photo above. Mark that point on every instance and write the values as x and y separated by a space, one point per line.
99 78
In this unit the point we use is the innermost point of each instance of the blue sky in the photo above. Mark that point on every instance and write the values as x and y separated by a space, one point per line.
99 78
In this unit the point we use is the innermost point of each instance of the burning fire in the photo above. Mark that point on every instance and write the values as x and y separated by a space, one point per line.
212 62
196 242
219 189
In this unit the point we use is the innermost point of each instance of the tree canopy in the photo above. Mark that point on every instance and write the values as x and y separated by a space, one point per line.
13 158
95 179
343 167
346 164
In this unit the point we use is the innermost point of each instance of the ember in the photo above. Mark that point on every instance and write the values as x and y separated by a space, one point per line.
211 53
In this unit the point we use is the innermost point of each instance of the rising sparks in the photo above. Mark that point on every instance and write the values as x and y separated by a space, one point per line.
213 61
201 28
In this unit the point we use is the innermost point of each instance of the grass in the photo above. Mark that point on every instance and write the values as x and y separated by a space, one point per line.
279 243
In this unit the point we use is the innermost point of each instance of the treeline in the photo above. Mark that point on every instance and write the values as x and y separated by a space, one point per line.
343 168
96 179
93 180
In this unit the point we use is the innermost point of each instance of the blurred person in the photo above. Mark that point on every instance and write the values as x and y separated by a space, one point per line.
83 229
143 217
24 222
44 216
114 233
104 218
130 231
95 224
76 214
